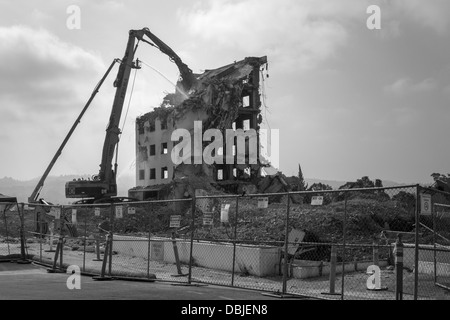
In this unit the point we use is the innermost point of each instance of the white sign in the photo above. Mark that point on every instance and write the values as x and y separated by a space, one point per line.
97 212
175 221
131 210
56 212
119 212
316 200
263 203
425 204
224 210
74 216
208 219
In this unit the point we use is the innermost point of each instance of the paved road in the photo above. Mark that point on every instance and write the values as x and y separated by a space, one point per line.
29 281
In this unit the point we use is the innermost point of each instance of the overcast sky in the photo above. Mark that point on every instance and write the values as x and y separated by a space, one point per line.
349 101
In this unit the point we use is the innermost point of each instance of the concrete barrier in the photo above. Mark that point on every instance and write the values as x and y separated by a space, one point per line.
426 259
302 269
250 259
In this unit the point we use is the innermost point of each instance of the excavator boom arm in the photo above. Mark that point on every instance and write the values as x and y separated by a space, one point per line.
104 185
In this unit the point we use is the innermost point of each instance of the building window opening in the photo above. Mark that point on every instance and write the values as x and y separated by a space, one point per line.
141 174
246 125
152 174
246 101
152 150
220 174
164 124
164 173
164 149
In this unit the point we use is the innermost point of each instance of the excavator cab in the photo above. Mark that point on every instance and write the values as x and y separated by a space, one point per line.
90 189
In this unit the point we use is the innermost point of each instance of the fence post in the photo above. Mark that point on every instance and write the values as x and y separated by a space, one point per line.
85 240
399 268
333 262
55 260
61 237
375 252
286 247
234 242
192 238
344 230
149 244
57 254
97 249
416 244
105 258
433 216
23 258
111 221
175 252
41 238
6 227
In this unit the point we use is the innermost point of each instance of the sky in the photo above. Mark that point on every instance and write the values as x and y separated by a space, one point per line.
349 100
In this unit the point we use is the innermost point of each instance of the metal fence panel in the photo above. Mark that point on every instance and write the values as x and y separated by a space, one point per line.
332 244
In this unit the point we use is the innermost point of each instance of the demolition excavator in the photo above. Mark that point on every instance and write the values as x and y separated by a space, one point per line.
102 187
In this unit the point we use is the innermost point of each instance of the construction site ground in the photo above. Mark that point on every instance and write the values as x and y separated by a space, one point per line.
33 282
318 287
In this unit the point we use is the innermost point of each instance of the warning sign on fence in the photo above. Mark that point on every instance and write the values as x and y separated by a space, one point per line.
131 210
263 203
224 210
97 212
208 219
425 204
316 200
56 212
74 216
119 212
175 221
157 251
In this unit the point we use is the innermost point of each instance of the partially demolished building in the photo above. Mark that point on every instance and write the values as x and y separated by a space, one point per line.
224 98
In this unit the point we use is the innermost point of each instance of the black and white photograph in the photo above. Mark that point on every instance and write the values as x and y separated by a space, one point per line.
233 157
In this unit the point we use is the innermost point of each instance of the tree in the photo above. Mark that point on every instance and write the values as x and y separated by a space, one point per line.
405 200
302 186
441 181
319 187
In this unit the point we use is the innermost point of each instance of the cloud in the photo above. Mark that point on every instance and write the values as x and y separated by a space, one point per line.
41 73
431 13
303 33
44 84
298 34
404 86
446 91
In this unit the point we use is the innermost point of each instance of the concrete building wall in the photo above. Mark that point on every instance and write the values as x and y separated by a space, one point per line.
146 161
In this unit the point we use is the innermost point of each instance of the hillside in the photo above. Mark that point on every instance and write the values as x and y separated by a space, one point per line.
336 184
53 190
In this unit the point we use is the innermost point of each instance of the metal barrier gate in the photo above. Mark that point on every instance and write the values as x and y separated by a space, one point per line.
441 245
10 231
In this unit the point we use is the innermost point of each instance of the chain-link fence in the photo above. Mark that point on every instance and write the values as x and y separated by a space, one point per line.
331 244
10 245
434 245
